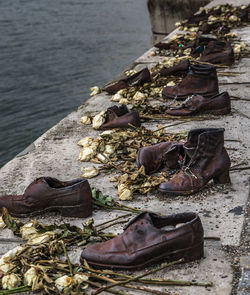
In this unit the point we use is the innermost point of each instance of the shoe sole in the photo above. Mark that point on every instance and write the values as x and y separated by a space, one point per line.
77 211
216 112
197 253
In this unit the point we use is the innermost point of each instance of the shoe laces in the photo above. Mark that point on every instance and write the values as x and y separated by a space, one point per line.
183 103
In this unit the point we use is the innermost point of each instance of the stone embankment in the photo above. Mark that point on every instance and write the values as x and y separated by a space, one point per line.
223 211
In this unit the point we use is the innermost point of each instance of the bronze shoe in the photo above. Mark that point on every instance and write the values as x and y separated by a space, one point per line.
180 68
207 159
217 52
219 104
201 79
153 157
145 241
70 198
120 117
135 80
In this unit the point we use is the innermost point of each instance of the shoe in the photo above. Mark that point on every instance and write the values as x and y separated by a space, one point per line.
180 68
153 157
166 46
206 159
217 52
201 79
196 18
70 198
120 117
219 104
135 80
145 241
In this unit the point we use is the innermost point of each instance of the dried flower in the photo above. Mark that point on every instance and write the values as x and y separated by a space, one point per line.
79 278
28 230
233 18
109 149
139 96
124 193
5 260
30 276
98 120
63 282
117 96
85 141
86 153
10 281
123 101
89 172
2 224
171 83
94 90
39 239
86 120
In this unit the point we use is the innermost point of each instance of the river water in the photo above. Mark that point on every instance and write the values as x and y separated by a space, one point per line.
51 52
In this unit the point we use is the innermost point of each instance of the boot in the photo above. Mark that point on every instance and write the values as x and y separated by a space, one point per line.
206 159
120 117
135 80
155 156
201 79
217 52
219 104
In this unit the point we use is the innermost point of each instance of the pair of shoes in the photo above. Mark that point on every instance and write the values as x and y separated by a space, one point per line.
70 198
202 158
120 117
135 80
146 241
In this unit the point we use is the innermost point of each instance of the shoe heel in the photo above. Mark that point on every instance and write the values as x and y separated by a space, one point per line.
222 178
196 253
80 211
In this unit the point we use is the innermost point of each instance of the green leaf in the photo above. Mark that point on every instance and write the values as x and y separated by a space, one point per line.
11 223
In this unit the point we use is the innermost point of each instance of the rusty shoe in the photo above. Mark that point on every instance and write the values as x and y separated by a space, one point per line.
219 104
180 68
70 198
120 117
206 159
201 79
169 154
136 79
146 241
217 52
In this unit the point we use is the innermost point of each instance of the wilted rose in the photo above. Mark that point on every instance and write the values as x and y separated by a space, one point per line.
28 230
139 96
94 90
30 275
10 281
85 141
86 120
89 172
86 153
41 238
63 282
5 260
98 120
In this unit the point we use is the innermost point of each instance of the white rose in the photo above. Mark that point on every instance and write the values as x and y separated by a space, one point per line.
28 230
94 90
98 120
89 172
86 120
63 282
39 239
10 281
30 276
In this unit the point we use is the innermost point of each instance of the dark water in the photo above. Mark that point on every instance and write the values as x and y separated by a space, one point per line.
51 52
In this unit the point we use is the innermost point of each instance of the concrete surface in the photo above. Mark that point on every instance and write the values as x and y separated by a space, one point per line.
221 208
